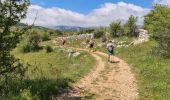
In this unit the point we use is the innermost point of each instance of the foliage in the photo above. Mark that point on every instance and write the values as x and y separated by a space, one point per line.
99 32
85 31
103 39
152 71
33 41
45 36
157 20
116 29
49 49
30 43
11 12
163 43
50 73
58 32
130 26
24 47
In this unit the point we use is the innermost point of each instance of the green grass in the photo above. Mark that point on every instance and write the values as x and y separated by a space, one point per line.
153 72
50 73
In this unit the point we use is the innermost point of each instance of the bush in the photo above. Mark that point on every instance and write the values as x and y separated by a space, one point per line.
164 43
99 33
45 37
33 41
24 48
49 49
103 39
31 44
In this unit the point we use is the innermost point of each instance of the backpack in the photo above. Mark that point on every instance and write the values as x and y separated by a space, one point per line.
110 48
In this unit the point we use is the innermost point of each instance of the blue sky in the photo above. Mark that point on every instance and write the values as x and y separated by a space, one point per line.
85 6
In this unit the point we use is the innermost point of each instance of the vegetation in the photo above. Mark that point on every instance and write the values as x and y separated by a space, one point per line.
131 26
10 68
49 73
157 22
31 43
45 36
99 32
49 49
87 30
151 70
116 29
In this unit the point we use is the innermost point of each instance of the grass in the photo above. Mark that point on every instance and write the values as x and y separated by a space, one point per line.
50 73
152 71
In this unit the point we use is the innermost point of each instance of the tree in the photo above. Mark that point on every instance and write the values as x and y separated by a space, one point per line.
99 32
164 43
116 29
157 22
11 12
130 26
33 41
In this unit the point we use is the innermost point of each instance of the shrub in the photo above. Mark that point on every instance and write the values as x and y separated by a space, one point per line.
103 39
164 43
45 37
33 41
99 33
49 49
24 47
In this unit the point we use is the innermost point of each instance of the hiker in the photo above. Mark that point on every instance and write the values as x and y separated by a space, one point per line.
63 41
110 49
91 45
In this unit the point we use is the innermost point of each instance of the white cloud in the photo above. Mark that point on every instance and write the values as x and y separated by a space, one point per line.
102 16
164 2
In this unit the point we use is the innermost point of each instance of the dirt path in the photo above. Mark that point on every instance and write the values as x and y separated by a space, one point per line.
105 81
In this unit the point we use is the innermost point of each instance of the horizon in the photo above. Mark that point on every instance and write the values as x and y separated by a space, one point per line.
54 13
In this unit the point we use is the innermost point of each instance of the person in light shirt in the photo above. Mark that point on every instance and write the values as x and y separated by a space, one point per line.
110 50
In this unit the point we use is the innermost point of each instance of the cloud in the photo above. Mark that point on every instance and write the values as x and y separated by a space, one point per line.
164 2
102 16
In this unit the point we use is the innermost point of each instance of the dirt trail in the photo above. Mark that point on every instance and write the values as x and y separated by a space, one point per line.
105 81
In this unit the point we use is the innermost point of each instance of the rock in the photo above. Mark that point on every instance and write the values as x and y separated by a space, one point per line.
76 54
81 36
143 37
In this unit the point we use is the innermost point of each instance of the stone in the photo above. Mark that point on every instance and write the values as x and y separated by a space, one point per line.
143 37
76 54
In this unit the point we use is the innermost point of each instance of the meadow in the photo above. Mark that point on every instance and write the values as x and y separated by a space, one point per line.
49 74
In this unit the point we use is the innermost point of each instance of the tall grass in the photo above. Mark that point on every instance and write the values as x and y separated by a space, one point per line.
49 73
152 71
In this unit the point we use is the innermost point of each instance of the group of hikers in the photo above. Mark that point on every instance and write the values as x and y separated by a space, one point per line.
90 44
110 49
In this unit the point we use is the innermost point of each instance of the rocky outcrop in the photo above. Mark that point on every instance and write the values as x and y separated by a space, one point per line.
143 37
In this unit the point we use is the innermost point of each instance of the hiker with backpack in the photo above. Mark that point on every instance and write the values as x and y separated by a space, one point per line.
110 49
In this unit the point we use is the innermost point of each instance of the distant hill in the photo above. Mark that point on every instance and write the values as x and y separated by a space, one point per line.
36 27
